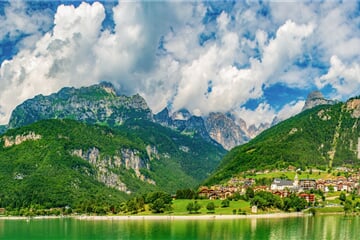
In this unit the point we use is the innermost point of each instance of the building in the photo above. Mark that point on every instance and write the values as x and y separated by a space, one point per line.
310 198
281 184
307 184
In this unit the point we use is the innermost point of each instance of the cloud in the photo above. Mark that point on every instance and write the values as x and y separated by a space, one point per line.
206 57
16 23
345 79
60 58
264 113
290 109
231 85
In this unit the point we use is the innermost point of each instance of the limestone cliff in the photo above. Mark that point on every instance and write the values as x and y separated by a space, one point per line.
10 141
108 165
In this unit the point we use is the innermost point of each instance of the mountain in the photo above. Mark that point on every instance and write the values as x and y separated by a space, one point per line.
102 104
321 137
98 104
316 98
57 163
218 128
224 130
184 122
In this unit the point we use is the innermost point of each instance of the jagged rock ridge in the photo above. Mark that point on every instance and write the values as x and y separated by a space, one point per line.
102 104
316 98
224 129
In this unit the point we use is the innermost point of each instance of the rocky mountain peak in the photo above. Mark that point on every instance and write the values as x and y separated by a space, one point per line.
94 104
316 98
224 130
108 87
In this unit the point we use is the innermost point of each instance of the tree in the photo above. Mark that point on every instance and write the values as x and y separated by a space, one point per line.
193 207
158 206
132 206
259 202
249 194
210 207
299 203
225 203
342 197
197 206
190 207
287 204
347 207
185 194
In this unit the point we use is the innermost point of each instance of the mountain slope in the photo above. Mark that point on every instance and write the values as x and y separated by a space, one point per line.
324 136
98 104
56 163
2 129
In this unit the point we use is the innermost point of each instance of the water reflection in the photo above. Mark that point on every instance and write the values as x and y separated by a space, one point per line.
318 227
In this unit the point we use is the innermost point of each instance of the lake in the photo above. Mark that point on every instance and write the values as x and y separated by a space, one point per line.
318 227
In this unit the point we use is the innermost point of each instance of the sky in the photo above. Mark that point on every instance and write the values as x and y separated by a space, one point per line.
255 59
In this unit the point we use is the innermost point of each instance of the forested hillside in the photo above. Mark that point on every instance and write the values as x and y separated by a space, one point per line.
323 137
57 163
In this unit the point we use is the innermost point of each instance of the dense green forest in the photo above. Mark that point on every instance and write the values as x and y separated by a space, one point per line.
323 137
45 172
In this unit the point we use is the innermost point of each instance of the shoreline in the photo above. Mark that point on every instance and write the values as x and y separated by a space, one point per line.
161 217
191 217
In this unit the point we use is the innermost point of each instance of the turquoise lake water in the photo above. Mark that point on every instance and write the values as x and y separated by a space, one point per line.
318 227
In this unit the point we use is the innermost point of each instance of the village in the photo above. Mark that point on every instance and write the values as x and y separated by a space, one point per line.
303 187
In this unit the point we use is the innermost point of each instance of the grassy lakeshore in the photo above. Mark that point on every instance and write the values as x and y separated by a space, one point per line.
163 217
236 209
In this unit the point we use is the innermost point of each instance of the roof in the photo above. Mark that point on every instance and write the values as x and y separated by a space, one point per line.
283 182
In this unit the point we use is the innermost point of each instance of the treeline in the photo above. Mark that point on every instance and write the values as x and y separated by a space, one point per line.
158 202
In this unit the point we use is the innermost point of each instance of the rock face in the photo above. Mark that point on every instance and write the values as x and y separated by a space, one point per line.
95 104
108 165
316 98
18 139
219 128
184 122
353 105
225 131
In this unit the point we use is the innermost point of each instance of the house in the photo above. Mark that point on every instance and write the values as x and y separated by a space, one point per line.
261 188
254 209
283 194
281 184
307 184
310 198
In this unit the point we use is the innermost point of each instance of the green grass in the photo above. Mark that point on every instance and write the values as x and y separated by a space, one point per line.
330 210
179 207
316 174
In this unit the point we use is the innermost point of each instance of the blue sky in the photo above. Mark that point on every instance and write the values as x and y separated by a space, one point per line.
257 60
